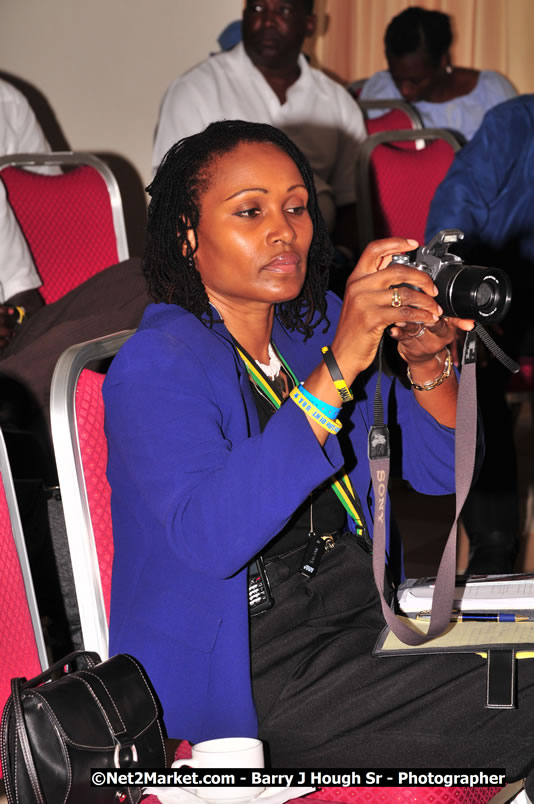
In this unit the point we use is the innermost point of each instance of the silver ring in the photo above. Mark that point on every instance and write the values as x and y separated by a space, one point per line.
421 332
396 300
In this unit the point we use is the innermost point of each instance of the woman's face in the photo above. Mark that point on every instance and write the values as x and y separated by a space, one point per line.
254 230
415 76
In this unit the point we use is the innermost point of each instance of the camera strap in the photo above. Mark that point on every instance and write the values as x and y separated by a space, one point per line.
379 456
496 350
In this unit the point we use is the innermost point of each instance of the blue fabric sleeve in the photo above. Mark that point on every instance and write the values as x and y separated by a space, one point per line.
465 197
219 502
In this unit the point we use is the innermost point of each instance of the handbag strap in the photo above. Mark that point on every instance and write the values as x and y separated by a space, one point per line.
22 735
87 658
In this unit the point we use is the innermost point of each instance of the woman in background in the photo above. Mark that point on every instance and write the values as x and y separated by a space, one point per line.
417 44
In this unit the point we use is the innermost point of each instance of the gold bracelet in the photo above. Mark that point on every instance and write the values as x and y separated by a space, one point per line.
428 386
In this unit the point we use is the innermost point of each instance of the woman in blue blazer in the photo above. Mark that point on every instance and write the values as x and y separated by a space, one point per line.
228 424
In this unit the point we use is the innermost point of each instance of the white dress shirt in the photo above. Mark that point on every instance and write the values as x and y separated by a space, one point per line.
318 114
19 133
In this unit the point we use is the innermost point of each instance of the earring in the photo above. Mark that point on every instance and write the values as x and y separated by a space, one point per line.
448 69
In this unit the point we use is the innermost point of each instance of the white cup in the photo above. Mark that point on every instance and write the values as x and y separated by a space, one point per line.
227 752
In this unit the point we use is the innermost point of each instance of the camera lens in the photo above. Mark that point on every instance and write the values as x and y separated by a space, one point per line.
469 291
485 295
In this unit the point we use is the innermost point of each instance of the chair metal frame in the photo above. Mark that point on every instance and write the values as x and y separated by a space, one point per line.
363 185
20 546
72 484
75 159
392 103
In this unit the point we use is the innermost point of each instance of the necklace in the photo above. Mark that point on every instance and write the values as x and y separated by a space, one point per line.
273 369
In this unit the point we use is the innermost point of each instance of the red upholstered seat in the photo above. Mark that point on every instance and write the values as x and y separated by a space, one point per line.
396 183
19 655
405 795
68 224
94 454
80 448
404 183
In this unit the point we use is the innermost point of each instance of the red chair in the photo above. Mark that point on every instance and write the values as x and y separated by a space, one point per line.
395 185
398 115
73 221
22 646
80 448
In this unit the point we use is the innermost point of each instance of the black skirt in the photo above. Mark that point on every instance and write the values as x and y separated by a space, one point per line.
323 701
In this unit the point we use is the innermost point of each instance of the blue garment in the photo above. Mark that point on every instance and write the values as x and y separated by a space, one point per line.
463 114
197 490
488 191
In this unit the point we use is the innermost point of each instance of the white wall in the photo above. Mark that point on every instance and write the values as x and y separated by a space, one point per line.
103 66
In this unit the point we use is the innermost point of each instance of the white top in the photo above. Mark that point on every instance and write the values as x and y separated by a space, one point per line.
319 115
19 133
463 114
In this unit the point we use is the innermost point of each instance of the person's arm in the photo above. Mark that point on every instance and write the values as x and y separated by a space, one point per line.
182 113
478 175
28 136
18 278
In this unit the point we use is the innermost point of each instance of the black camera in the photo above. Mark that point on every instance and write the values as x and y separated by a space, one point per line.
465 291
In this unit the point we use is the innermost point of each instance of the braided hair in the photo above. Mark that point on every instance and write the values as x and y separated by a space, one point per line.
174 212
416 28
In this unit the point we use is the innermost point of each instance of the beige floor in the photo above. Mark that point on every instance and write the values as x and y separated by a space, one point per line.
425 522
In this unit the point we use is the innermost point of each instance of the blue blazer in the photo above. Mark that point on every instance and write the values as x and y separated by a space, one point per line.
197 490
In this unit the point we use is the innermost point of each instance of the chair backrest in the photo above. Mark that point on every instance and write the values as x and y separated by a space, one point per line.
398 115
73 221
355 87
80 448
395 185
22 646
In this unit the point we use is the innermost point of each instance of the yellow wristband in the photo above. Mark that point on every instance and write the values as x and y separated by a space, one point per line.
22 314
314 413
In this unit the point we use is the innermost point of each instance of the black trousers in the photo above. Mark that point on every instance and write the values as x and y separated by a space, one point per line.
324 701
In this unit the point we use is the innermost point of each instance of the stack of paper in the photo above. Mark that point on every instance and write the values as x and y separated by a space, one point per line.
513 593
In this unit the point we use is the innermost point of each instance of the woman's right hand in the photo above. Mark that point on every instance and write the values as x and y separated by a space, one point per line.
368 303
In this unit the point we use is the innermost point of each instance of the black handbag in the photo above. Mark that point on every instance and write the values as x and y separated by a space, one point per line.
62 723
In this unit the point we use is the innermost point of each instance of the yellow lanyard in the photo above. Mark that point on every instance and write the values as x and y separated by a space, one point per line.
341 484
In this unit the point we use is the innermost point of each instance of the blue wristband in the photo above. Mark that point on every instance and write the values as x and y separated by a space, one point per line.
329 410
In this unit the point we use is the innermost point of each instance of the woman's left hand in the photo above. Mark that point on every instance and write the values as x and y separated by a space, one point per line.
418 344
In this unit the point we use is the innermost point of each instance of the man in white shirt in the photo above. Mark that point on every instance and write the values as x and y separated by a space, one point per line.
266 79
19 133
